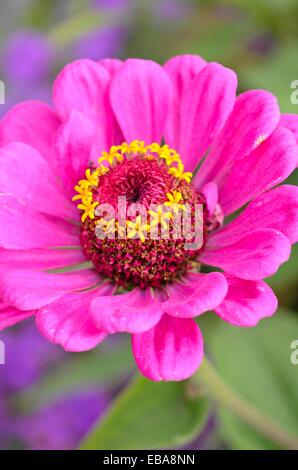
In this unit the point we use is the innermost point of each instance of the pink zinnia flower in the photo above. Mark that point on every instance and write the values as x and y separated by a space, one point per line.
234 152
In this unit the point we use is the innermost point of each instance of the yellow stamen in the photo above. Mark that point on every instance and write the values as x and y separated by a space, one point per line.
174 199
178 172
169 155
154 148
160 217
82 189
88 207
138 146
92 177
102 170
106 157
137 228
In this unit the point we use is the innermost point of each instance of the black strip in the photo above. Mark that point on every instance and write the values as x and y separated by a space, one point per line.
138 459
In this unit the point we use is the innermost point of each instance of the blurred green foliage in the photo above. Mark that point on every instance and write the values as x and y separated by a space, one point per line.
256 363
150 415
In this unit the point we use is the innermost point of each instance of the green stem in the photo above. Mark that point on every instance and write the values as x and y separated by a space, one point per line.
227 397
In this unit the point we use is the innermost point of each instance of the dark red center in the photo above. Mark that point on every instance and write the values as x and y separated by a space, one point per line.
133 262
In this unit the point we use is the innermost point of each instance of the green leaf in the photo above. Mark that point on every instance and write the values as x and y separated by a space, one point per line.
256 364
150 415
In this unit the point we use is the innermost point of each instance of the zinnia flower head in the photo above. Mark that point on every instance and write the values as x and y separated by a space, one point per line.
167 139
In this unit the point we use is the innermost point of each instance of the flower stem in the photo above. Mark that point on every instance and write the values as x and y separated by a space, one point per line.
255 418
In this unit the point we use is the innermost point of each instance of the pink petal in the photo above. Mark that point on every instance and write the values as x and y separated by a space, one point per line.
290 121
255 256
172 350
140 94
205 107
134 312
274 160
73 147
33 123
198 294
210 191
27 176
10 316
67 321
22 228
277 209
83 85
111 65
247 302
116 136
28 290
40 258
254 117
181 70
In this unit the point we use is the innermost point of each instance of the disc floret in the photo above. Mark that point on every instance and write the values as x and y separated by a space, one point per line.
137 250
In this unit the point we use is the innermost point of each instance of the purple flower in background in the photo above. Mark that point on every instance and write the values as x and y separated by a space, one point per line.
26 62
106 42
27 58
59 425
27 355
113 4
62 425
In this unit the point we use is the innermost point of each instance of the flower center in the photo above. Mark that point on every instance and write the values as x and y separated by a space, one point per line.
143 222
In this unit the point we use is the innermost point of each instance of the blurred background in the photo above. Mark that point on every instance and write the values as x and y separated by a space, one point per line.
49 399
